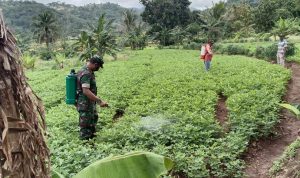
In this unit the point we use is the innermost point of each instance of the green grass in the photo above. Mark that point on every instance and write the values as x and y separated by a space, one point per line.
171 86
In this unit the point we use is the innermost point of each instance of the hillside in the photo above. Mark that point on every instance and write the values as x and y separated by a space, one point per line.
19 15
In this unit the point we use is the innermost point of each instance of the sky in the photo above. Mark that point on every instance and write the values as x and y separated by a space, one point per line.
197 4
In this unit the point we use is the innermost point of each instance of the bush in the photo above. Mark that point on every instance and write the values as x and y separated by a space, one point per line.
235 50
28 61
217 48
47 55
259 52
200 40
192 45
270 52
291 50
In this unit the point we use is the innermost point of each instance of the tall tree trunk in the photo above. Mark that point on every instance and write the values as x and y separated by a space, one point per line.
23 151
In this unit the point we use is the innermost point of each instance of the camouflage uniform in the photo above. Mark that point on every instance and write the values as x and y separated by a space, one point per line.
88 115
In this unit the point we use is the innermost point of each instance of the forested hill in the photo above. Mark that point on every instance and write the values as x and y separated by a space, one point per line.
241 1
19 15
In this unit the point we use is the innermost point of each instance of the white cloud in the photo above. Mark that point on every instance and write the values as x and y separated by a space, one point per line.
198 4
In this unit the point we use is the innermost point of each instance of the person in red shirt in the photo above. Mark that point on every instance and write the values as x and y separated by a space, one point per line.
209 54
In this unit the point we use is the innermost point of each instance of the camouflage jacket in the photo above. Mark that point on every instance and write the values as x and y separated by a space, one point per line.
87 79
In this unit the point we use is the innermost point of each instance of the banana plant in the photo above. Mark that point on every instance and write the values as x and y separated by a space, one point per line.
131 165
286 27
292 108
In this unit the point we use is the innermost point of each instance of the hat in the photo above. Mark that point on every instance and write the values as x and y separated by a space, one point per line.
97 60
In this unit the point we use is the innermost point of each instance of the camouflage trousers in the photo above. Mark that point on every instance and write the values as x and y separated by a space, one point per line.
87 123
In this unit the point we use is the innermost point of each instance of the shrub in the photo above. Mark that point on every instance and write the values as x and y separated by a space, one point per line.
259 52
217 48
46 54
235 50
192 45
28 61
270 52
200 40
291 50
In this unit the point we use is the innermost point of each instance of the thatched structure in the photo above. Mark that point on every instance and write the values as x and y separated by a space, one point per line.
23 151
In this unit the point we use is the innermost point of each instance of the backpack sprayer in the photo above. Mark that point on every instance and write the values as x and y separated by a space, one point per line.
71 94
71 87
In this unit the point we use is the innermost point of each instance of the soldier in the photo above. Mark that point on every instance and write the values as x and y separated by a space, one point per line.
87 97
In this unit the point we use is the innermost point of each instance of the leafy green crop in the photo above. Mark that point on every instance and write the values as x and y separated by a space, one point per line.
171 86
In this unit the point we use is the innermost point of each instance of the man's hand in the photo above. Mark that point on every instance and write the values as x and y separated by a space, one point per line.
103 104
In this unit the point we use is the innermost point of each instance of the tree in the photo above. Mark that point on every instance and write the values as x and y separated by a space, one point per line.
23 150
239 20
268 12
130 19
45 28
285 27
135 33
100 41
137 37
164 15
212 21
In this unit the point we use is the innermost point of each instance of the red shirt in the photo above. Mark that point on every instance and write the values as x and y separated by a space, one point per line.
209 54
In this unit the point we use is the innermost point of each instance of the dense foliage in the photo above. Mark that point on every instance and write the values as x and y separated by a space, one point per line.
100 41
169 104
164 15
45 28
171 22
72 19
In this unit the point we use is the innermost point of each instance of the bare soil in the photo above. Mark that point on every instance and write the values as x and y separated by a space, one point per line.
262 153
221 109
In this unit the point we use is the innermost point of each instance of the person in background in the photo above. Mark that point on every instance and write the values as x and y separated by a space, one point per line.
282 47
87 97
208 55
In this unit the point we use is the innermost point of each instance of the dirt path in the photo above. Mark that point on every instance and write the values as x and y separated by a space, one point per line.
221 110
261 154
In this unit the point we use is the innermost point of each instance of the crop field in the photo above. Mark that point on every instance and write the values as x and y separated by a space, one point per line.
170 107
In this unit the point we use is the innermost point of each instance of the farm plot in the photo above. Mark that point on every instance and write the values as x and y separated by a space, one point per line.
170 103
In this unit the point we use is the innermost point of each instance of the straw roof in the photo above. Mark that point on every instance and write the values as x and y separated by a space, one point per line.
23 151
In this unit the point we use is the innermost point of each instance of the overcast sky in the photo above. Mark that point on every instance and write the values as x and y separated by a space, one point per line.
128 3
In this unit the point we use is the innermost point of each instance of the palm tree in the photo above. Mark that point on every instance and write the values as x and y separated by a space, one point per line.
23 150
84 45
100 41
45 28
130 19
285 27
211 26
104 37
135 33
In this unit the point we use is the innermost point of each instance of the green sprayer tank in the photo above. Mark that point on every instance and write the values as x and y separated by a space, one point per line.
71 86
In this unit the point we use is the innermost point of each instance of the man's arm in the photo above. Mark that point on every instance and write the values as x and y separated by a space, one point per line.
91 96
208 48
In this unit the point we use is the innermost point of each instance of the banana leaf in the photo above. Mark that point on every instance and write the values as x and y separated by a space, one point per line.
291 108
131 165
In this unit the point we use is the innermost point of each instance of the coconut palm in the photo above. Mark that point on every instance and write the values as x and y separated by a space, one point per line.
130 19
23 150
45 28
100 41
